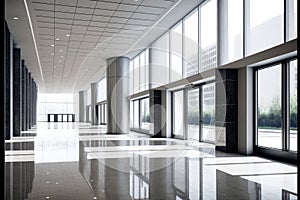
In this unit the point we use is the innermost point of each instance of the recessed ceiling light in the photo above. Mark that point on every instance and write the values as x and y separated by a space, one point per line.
57 38
47 197
60 50
59 61
62 56
54 66
52 45
52 54
68 35
15 18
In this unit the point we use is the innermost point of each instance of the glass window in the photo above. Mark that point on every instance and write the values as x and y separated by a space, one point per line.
131 78
176 53
190 52
193 114
136 115
269 126
292 19
208 35
159 70
55 103
136 74
208 112
145 114
293 105
231 30
264 27
143 71
178 112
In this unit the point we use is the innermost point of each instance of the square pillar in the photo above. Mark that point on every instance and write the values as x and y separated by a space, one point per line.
226 110
17 94
24 98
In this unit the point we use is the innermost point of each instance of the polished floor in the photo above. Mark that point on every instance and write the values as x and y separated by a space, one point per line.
78 161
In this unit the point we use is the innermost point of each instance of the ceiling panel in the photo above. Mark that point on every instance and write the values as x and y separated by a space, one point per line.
84 34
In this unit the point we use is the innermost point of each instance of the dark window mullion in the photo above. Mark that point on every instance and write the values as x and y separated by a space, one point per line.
285 107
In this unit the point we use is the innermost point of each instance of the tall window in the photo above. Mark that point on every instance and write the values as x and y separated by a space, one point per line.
178 113
231 36
190 52
277 106
292 19
293 126
176 52
159 71
269 133
140 114
208 35
136 74
264 24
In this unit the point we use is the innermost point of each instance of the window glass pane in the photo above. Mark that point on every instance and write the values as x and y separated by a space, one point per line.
136 115
264 24
190 54
131 113
176 53
160 62
145 114
178 113
131 79
293 105
193 114
231 33
208 115
136 74
208 35
143 68
269 130
292 19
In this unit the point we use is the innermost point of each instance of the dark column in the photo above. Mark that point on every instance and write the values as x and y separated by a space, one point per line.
28 100
8 85
24 98
17 98
155 112
226 110
31 103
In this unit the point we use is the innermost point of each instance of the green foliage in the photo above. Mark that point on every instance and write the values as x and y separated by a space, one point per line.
193 118
272 117
146 118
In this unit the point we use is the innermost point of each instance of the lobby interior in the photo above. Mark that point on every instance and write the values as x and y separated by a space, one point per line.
150 99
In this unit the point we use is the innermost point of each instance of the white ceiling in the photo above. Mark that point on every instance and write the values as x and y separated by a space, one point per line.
84 34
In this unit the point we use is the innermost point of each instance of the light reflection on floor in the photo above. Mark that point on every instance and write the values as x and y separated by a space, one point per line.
77 161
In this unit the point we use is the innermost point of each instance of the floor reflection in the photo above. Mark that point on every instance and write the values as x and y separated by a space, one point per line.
80 162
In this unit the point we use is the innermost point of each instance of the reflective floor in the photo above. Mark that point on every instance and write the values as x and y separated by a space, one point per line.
78 161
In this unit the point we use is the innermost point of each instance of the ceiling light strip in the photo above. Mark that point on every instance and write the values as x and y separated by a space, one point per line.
153 26
34 41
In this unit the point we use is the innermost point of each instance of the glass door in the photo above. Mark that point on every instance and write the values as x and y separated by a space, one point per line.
193 114
208 113
178 114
